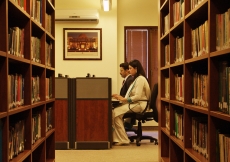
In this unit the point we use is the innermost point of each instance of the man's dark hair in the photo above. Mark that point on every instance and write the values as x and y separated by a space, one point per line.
125 65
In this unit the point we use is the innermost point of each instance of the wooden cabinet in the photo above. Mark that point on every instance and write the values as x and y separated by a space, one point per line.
27 71
194 80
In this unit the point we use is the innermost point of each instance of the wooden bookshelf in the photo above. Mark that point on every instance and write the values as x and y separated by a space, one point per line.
202 58
27 93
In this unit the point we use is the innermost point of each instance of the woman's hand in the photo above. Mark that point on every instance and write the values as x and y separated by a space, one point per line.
120 98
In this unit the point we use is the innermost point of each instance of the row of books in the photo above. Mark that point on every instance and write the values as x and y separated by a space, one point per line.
167 61
36 124
199 40
36 127
200 135
223 146
49 124
49 50
167 118
179 49
200 89
16 138
166 24
179 126
49 90
21 3
224 87
178 11
48 23
167 94
223 30
194 3
179 87
16 41
15 90
35 95
35 49
36 10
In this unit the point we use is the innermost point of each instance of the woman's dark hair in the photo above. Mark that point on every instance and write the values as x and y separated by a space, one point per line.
140 71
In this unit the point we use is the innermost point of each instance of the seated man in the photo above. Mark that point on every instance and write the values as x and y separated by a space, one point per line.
128 79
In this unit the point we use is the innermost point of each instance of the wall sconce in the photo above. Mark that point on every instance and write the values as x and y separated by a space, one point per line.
106 5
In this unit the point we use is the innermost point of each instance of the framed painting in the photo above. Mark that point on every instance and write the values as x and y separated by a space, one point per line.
82 43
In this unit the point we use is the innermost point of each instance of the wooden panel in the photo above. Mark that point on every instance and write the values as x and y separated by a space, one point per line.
92 120
92 88
61 120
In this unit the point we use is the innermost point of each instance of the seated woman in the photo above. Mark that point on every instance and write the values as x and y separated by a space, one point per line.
138 90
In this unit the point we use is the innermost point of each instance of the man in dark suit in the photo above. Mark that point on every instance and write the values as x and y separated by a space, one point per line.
128 79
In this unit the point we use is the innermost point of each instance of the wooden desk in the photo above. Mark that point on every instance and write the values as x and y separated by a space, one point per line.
83 113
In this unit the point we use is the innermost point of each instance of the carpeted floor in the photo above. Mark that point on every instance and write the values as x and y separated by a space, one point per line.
147 152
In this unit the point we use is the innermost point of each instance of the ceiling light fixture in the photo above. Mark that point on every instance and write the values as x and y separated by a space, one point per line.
106 5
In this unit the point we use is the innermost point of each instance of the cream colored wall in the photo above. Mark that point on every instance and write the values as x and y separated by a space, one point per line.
107 67
124 13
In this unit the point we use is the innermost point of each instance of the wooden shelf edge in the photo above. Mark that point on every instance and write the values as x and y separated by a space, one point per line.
19 109
220 52
21 59
21 156
50 132
201 109
195 155
2 53
177 141
3 114
38 143
221 115
164 159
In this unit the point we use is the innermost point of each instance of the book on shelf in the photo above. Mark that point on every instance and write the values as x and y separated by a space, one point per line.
223 30
200 90
199 40
48 49
166 24
49 119
16 41
35 49
36 12
167 118
16 138
179 88
224 87
178 11
194 3
35 89
49 88
179 125
48 23
222 146
36 127
200 135
21 3
15 90
179 49
167 95
167 55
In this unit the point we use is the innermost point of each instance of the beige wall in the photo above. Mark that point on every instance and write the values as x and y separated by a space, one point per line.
124 13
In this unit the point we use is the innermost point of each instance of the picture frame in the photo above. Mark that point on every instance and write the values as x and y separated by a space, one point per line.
82 43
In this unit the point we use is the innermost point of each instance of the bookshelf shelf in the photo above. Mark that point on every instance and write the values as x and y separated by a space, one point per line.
27 124
193 127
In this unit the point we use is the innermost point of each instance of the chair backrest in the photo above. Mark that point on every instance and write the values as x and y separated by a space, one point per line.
153 102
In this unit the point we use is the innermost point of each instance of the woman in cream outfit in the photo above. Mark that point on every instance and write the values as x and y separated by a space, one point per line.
138 90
